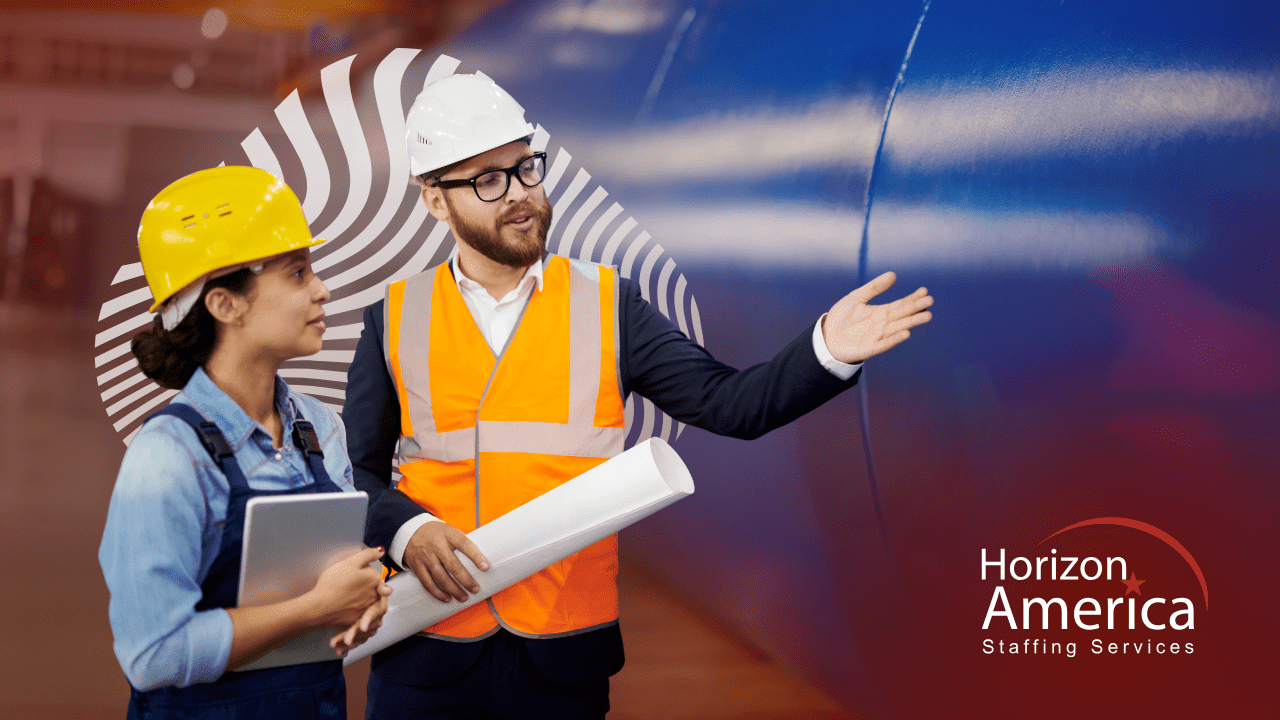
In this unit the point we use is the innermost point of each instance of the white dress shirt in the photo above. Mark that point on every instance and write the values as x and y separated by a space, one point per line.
497 319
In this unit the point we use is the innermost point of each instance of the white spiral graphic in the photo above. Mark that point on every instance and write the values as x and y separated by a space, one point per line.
400 239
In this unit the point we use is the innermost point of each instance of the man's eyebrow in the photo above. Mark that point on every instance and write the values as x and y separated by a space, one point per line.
499 166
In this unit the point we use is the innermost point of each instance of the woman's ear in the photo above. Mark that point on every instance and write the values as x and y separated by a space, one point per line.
433 198
225 306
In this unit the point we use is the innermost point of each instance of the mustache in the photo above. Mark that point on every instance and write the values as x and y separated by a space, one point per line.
528 206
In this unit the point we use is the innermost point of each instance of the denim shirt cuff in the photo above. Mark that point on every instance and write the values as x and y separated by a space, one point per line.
209 633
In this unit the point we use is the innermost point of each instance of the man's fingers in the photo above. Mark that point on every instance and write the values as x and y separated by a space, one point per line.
469 549
459 572
446 582
915 302
892 341
431 555
907 323
874 288
440 566
423 572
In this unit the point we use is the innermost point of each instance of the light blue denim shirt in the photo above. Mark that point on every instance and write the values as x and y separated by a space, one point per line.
164 527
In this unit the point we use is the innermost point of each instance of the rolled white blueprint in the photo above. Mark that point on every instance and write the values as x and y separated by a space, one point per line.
544 531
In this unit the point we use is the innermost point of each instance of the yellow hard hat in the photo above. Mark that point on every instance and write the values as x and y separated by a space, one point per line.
215 219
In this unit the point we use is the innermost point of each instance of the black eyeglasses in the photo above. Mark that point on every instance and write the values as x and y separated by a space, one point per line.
492 185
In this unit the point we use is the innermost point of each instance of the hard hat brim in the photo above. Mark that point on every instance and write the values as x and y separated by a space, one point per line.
241 262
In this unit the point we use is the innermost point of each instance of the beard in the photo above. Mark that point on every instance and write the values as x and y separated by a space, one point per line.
527 247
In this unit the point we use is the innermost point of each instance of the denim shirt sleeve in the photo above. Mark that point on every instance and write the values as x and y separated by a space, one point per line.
152 559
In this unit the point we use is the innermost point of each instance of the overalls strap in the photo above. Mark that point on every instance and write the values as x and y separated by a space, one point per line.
305 439
213 440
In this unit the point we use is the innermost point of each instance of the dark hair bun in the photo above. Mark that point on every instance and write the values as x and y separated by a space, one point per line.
170 357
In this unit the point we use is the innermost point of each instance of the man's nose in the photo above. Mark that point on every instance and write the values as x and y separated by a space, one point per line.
516 191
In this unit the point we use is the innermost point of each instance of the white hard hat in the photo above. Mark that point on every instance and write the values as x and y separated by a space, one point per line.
459 116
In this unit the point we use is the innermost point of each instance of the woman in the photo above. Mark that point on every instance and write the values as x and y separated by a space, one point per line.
225 253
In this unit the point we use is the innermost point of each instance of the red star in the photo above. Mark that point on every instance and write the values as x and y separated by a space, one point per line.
1132 583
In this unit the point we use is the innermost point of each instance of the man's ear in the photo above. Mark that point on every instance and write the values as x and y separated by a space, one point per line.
225 306
433 198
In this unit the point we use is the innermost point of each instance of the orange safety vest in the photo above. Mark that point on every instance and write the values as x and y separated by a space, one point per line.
481 435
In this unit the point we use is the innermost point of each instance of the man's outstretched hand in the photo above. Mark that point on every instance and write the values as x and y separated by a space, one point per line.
855 330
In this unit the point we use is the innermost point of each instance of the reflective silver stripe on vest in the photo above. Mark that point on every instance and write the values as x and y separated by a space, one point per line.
617 333
415 344
551 439
386 332
449 446
515 436
584 343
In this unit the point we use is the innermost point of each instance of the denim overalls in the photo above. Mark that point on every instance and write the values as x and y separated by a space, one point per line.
313 690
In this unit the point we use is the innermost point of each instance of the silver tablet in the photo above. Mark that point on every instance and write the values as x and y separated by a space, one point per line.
288 541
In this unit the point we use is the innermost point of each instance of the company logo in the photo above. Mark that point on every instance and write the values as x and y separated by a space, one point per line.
1094 602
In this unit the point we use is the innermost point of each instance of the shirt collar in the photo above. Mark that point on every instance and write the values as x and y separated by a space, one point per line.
534 271
236 425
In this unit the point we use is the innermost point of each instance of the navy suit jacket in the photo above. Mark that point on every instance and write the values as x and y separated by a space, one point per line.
658 362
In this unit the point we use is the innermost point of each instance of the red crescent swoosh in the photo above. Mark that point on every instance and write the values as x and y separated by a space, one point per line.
1150 530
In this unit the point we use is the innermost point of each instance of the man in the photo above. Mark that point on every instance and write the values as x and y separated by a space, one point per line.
502 374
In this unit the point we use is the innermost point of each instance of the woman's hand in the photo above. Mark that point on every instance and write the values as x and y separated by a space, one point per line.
366 628
347 589
349 594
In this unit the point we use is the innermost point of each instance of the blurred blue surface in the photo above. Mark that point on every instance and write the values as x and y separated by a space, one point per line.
1088 189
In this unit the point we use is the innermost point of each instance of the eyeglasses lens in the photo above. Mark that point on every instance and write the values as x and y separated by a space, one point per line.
531 170
493 185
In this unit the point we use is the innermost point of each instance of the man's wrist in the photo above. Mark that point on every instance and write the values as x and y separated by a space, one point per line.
842 370
401 541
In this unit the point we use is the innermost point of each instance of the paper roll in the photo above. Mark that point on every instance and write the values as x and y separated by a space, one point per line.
544 531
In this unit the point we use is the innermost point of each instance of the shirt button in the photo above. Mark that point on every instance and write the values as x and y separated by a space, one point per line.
279 456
